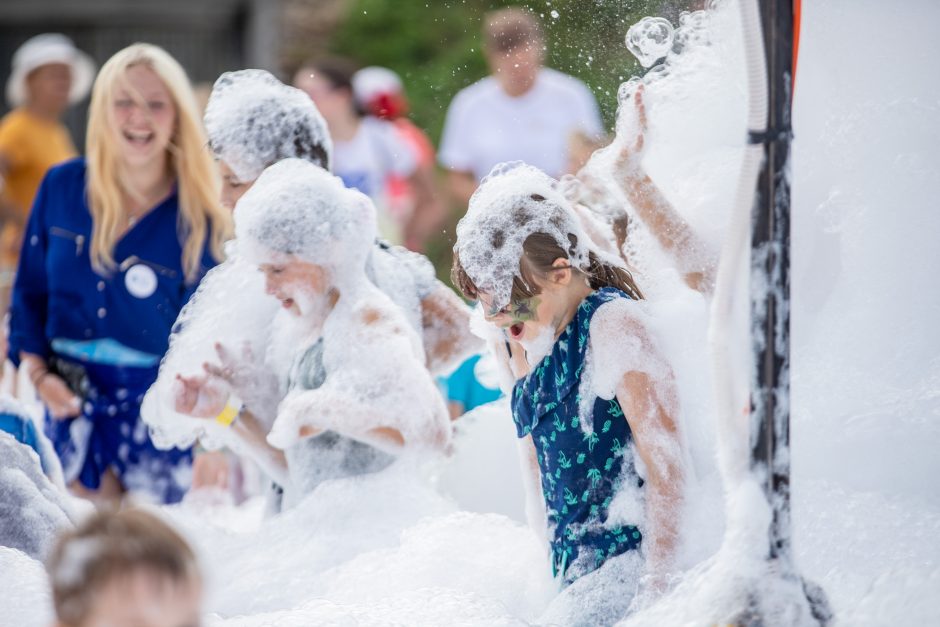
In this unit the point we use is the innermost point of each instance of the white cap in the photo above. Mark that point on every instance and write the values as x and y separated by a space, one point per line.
373 81
43 50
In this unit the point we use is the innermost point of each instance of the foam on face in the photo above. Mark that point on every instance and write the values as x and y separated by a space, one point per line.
253 120
513 202
297 209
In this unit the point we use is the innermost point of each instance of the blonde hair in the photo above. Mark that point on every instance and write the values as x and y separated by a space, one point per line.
200 212
110 546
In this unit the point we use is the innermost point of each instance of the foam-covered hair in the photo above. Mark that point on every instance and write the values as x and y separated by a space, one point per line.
298 209
254 120
514 201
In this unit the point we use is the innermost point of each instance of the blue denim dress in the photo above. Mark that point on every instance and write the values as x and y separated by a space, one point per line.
108 330
581 469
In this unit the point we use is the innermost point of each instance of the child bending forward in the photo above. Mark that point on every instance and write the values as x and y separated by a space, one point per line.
358 393
593 401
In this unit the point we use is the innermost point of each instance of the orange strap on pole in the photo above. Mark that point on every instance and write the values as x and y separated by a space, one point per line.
797 6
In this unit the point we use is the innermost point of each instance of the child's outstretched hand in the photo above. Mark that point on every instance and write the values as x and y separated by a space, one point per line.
632 139
200 396
255 386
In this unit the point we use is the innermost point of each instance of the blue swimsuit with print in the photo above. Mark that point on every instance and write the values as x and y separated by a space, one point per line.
109 331
580 471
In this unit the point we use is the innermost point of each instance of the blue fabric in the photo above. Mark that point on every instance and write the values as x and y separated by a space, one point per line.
580 470
57 294
463 387
103 351
23 429
58 299
110 434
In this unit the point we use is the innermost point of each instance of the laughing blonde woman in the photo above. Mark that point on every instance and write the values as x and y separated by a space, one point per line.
115 245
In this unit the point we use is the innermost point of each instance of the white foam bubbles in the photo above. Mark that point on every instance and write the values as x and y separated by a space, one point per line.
650 40
253 120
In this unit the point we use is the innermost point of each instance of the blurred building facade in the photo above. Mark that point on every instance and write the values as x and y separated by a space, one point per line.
208 37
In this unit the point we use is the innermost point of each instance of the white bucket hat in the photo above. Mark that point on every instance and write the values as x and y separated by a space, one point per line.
43 50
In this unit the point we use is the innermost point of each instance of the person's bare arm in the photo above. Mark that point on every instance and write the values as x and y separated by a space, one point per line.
462 184
428 214
61 402
658 444
205 397
644 385
253 433
8 211
671 231
694 257
445 321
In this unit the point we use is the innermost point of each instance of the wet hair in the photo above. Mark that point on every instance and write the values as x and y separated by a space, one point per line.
108 546
506 29
539 251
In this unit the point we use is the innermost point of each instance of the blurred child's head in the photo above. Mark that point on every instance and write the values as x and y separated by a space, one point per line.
306 231
328 82
253 121
520 249
125 568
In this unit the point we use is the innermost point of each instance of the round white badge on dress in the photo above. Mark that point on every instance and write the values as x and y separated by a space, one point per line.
141 280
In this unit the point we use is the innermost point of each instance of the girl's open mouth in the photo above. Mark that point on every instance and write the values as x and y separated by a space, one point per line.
515 331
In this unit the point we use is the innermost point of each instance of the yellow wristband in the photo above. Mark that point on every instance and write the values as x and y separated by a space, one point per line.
227 416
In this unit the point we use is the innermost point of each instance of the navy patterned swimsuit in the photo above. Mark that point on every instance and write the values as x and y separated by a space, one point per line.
581 469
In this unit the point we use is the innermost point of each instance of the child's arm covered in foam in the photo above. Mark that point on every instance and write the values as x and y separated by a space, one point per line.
626 359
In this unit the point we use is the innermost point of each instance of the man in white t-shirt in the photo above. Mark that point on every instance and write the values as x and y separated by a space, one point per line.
522 111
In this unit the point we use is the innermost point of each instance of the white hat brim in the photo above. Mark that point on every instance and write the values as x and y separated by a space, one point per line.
83 74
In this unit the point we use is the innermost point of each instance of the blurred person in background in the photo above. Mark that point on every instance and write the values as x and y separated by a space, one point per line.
48 75
379 93
114 247
521 112
367 150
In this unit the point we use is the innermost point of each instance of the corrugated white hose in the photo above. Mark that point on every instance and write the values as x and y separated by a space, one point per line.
730 343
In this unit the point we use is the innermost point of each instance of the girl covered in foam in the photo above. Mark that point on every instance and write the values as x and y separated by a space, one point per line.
253 121
593 400
357 388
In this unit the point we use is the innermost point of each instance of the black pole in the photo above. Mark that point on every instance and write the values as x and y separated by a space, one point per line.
770 288
770 316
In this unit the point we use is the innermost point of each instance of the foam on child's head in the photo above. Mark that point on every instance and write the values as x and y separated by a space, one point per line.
254 120
513 202
298 209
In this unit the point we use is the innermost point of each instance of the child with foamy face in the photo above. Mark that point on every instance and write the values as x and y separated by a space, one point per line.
125 568
353 369
593 401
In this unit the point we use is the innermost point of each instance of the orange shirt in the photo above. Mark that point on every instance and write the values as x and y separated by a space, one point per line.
30 145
